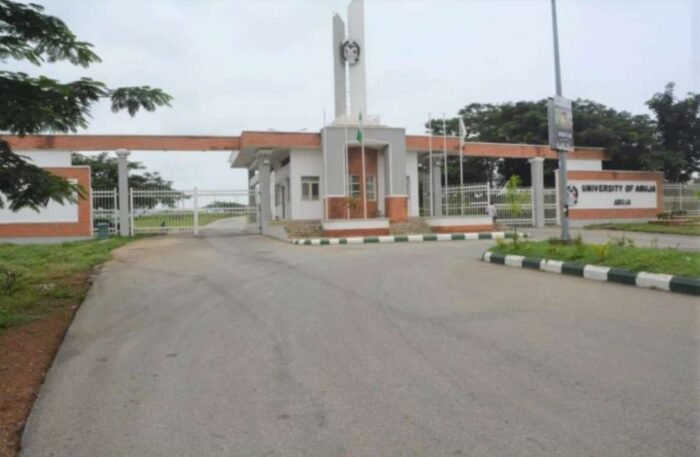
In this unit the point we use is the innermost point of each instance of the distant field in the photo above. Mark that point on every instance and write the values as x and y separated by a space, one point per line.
179 219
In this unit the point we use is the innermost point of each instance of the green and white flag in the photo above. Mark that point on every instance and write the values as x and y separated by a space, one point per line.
358 135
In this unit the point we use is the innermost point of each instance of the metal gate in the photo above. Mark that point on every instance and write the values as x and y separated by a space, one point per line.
105 209
167 211
473 199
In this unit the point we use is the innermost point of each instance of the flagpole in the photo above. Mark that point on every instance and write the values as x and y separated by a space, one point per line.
430 165
444 157
461 163
347 172
325 167
364 171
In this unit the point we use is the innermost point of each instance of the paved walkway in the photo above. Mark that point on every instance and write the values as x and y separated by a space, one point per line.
246 346
691 243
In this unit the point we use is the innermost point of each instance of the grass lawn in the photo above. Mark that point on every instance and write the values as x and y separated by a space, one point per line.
692 230
47 276
614 254
184 219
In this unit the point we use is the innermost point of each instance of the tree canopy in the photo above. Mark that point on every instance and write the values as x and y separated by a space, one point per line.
669 141
31 105
105 173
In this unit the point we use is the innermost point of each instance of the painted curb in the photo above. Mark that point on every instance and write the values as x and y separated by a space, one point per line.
405 238
659 281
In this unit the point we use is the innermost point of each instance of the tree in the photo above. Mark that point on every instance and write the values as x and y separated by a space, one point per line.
105 173
31 105
515 200
678 130
475 169
630 139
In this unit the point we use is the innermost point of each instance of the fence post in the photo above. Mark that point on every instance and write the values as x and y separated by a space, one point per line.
680 195
195 201
437 190
131 212
123 172
115 209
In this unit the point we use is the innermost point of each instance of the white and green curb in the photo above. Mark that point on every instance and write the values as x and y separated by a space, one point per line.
658 281
405 238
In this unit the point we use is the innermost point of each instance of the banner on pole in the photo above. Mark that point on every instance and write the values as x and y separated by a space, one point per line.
561 124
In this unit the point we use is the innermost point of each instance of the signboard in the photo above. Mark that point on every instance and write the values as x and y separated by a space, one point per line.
603 194
561 124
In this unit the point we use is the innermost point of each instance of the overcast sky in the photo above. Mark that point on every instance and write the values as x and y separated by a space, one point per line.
267 64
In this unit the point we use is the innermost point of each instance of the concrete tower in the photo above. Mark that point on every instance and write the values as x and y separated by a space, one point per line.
349 59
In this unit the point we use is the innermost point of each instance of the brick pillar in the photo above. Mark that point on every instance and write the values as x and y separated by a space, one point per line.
396 208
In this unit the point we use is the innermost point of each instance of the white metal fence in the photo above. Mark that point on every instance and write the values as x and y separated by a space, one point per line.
105 209
166 211
682 197
473 200
550 206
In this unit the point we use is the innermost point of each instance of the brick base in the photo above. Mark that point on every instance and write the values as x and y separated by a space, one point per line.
396 208
337 207
355 232
462 228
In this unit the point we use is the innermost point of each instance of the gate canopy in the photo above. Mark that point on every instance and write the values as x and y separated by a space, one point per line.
249 141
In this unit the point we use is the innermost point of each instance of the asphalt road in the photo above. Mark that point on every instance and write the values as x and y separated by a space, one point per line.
246 346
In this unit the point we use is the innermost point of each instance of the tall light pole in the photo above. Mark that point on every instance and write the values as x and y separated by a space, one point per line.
563 187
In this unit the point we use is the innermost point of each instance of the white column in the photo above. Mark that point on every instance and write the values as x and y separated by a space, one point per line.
339 79
264 184
437 188
123 172
195 217
537 178
356 32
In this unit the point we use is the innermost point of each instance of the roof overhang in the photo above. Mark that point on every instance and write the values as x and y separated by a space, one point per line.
245 146
424 143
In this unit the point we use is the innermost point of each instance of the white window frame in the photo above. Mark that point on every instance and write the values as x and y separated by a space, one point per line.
354 186
308 185
371 190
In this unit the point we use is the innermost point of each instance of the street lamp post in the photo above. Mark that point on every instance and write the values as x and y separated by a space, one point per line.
563 187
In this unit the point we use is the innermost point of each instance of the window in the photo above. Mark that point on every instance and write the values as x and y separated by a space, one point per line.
371 188
354 186
310 187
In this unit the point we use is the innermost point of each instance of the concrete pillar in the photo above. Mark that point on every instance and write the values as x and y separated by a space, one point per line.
356 71
424 178
537 178
339 72
264 183
123 172
437 187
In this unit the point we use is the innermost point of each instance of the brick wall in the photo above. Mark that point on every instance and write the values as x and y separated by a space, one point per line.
82 228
